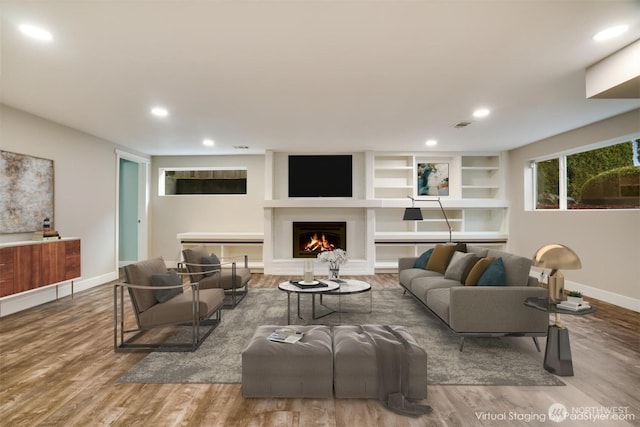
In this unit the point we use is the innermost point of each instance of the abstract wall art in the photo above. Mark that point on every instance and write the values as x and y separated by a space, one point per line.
26 192
433 179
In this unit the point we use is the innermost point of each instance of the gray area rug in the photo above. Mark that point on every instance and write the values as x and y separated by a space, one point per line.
484 361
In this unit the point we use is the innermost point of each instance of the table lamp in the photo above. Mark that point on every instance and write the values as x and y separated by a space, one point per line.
556 256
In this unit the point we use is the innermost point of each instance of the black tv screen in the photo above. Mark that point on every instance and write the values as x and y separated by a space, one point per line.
320 176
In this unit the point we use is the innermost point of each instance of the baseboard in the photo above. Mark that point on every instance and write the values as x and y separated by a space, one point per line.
606 296
24 300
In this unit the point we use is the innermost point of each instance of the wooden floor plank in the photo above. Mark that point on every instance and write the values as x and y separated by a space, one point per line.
58 368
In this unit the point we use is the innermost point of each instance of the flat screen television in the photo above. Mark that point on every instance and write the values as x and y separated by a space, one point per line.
320 176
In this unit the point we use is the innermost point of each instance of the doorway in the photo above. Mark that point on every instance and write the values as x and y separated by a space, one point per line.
132 202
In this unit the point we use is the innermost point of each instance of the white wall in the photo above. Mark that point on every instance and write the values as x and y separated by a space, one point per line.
85 192
171 215
608 242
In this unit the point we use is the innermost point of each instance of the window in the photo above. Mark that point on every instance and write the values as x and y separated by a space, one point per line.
189 181
548 184
606 177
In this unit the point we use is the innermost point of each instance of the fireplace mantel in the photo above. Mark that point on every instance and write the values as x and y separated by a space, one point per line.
322 203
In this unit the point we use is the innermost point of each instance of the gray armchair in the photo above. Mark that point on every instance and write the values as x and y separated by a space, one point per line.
159 299
230 277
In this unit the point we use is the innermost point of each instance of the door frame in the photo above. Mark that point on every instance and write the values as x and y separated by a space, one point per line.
144 175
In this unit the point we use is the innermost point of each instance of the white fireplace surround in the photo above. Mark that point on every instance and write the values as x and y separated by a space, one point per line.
278 253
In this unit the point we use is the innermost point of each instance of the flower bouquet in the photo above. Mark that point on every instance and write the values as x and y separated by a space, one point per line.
335 258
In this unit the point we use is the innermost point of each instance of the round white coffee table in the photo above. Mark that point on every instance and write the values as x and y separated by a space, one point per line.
347 287
290 288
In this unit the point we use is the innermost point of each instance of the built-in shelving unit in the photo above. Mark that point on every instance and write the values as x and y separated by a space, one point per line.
393 177
481 177
475 208
377 235
228 245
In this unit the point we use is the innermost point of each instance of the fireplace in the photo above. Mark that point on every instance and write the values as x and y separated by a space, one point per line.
311 238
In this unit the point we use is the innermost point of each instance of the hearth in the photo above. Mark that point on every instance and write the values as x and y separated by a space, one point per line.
311 238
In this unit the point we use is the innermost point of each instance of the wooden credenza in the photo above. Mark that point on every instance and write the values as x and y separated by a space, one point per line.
29 265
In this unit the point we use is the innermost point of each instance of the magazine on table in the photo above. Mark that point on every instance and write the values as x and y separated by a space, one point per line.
288 336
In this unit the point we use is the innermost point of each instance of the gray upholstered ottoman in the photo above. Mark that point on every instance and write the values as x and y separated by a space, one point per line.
303 369
356 362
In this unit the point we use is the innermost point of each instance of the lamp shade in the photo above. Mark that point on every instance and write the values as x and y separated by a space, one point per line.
412 214
556 256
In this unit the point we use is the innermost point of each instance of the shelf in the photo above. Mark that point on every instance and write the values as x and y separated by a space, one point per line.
417 237
322 202
481 162
205 237
398 187
394 168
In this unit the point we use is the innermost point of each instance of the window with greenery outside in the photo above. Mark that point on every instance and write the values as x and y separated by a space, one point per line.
603 178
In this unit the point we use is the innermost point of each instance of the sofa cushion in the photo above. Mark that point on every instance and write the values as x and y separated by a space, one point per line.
494 275
516 268
421 285
438 301
422 260
406 276
458 264
161 280
179 309
440 258
477 271
478 250
214 263
224 280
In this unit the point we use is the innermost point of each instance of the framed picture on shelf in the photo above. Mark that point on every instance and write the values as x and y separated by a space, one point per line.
433 179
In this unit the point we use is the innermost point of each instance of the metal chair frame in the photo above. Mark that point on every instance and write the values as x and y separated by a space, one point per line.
129 344
237 294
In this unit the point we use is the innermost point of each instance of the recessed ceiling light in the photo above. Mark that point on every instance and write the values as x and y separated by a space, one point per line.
610 33
431 143
208 142
481 112
159 111
36 32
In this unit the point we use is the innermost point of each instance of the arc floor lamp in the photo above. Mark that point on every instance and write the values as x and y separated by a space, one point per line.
415 214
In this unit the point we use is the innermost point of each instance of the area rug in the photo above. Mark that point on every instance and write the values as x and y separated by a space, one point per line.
484 361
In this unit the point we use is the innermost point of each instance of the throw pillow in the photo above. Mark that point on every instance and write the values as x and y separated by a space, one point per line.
440 258
458 265
170 278
461 247
472 262
213 264
422 260
477 270
494 275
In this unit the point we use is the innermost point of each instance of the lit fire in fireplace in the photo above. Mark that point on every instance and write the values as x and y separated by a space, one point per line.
319 244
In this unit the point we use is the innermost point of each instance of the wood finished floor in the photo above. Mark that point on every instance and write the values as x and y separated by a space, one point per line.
58 368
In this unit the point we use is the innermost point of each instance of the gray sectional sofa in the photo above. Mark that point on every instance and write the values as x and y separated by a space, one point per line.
489 309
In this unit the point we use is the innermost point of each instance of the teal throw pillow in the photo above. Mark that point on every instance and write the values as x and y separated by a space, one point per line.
494 275
213 264
170 278
421 262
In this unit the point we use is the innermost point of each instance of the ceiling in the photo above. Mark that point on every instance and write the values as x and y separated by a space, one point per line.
312 76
